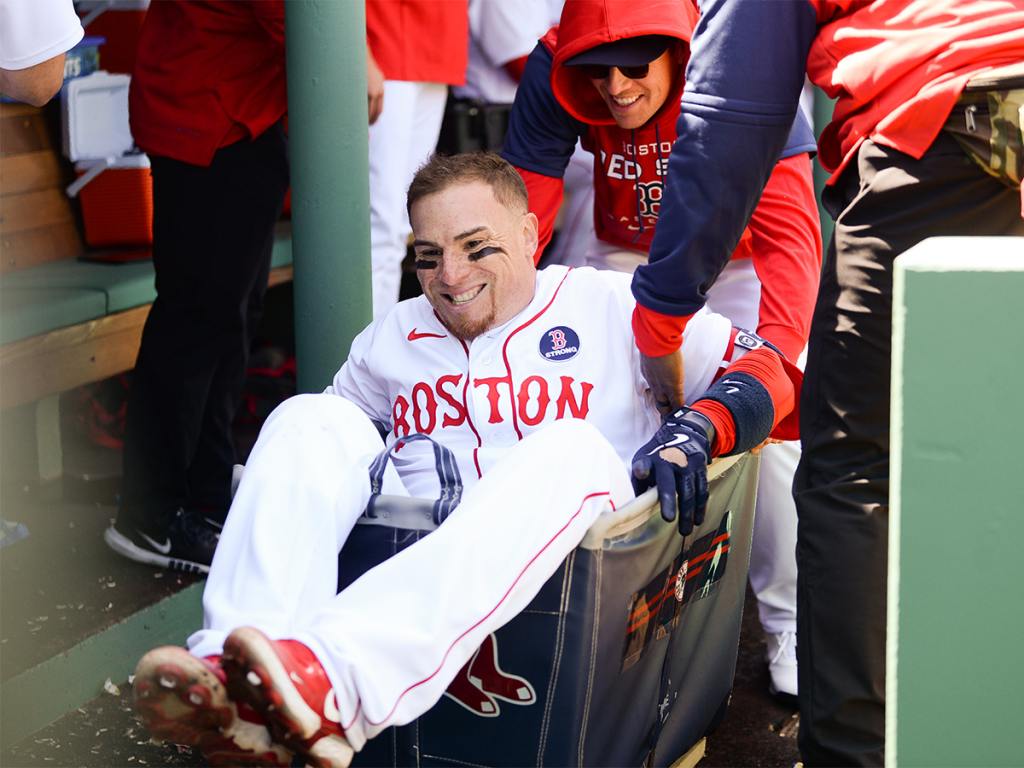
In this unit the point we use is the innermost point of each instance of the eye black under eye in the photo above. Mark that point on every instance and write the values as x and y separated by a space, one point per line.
487 250
425 264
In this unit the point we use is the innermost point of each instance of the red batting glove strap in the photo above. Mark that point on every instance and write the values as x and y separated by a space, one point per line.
657 334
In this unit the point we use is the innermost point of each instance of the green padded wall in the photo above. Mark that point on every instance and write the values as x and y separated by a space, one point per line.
955 677
330 162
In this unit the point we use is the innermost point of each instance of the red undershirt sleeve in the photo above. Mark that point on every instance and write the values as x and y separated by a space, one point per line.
782 382
786 245
545 198
515 68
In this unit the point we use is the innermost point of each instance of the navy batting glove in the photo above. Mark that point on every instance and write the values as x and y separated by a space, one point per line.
676 460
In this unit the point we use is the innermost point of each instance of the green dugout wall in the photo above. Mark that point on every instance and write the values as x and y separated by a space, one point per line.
955 676
326 52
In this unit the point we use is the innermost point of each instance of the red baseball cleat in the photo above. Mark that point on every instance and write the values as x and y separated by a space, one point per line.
182 699
284 681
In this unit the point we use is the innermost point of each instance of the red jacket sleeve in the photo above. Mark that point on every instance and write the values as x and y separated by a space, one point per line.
787 254
545 198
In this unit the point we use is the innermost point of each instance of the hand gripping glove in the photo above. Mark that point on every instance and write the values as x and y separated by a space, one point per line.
676 460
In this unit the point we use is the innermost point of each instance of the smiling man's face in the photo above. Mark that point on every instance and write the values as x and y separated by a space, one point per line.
474 257
634 101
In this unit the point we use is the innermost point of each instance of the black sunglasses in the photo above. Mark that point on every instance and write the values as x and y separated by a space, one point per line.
601 71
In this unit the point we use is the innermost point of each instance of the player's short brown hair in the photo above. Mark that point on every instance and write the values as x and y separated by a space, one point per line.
441 171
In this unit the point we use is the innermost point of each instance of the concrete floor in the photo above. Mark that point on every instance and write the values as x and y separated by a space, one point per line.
63 584
757 730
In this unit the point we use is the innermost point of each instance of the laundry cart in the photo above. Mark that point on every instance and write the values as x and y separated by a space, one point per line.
625 657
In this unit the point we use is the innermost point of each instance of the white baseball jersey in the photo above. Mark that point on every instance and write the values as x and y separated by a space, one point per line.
500 32
569 354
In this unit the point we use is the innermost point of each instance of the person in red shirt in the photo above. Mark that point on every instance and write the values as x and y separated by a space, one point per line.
898 70
610 75
421 47
208 101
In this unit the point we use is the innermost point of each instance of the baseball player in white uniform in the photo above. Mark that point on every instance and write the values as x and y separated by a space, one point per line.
528 385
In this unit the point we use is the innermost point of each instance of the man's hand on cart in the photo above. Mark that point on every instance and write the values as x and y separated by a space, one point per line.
675 460
664 375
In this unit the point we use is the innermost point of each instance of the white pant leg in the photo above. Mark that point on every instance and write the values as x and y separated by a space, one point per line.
773 551
737 295
304 485
393 641
400 141
601 255
576 230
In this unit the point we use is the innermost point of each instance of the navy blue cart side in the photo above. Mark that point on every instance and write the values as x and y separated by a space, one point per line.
625 657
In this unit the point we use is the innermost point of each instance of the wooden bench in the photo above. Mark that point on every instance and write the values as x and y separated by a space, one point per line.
68 323
64 322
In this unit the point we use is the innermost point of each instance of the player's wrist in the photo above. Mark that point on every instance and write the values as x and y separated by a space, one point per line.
697 421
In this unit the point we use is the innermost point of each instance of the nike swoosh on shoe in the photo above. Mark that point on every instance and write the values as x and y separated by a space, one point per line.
163 549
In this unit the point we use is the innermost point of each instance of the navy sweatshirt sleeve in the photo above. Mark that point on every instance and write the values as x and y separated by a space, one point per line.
541 134
743 82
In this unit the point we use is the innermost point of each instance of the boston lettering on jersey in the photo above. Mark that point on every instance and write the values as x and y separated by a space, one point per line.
440 404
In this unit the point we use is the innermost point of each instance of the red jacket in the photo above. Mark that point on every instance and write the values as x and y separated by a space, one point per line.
208 73
896 67
424 41
556 104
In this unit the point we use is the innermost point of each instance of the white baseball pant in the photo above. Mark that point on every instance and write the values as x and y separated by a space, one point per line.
393 640
400 142
576 225
736 294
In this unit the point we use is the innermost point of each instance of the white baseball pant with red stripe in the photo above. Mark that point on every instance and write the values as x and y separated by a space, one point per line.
393 640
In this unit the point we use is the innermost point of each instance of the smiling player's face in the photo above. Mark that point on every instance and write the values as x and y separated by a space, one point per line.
474 257
634 101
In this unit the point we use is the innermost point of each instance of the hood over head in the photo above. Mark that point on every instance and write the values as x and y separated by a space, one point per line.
587 24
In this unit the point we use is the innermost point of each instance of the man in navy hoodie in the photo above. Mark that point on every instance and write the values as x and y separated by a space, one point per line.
611 75
898 69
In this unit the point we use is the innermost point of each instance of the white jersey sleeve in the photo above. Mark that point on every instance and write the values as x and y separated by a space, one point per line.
705 342
357 382
33 31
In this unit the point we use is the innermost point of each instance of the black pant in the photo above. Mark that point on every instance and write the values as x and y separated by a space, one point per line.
213 231
884 203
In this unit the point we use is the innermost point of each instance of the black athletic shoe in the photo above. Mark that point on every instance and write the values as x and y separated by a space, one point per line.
186 545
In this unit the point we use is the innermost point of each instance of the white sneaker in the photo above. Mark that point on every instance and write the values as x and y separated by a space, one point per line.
781 656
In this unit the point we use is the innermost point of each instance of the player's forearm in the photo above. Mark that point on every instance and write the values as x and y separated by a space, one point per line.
786 238
749 401
34 85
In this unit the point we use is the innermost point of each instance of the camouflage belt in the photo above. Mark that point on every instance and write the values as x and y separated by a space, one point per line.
986 121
